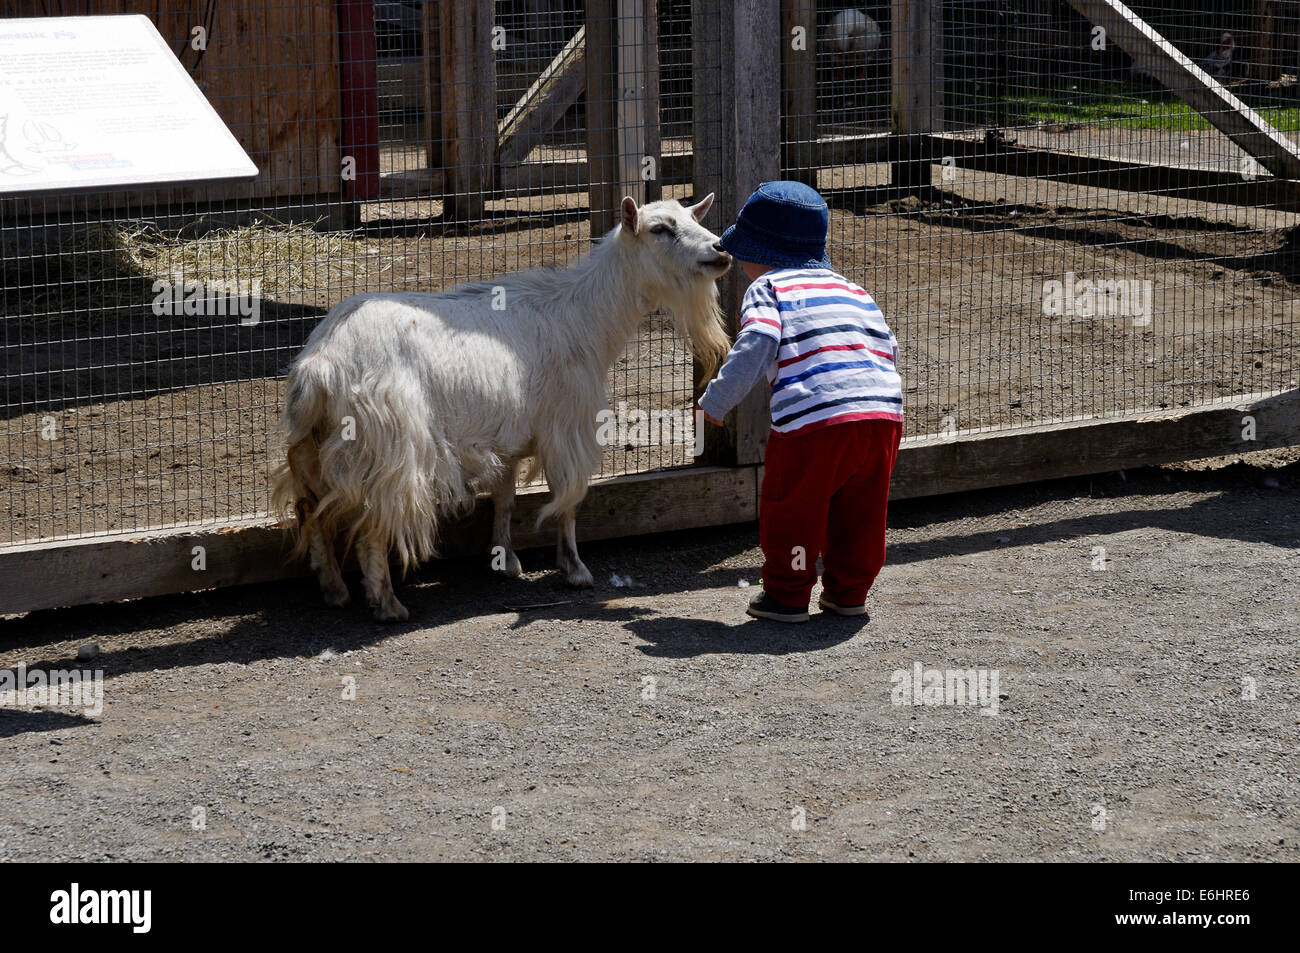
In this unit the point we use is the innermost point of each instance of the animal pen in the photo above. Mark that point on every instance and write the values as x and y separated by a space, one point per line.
1080 219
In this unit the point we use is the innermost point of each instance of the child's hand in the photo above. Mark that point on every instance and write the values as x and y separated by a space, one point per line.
716 423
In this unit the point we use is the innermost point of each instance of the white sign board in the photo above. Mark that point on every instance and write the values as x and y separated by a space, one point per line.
102 102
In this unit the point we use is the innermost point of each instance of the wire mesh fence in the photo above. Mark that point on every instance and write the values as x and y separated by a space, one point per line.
1081 239
1084 239
119 418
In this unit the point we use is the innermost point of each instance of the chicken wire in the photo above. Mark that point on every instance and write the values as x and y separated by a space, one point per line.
119 420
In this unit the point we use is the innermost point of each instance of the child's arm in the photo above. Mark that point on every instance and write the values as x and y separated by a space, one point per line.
747 361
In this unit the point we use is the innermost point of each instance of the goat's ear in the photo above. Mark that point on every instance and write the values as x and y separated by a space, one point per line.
700 209
629 211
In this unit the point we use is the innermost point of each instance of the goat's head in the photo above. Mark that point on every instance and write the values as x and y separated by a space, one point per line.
678 262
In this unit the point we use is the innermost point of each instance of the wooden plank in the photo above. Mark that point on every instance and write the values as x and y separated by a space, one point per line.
799 90
631 110
469 96
360 99
1156 55
652 139
1261 49
916 88
1075 448
431 29
1200 185
737 104
129 566
549 176
603 189
545 103
756 79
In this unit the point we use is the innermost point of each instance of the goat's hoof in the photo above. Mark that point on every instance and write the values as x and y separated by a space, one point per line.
392 611
513 568
337 596
579 577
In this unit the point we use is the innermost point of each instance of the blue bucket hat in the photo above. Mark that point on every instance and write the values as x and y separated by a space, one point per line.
783 225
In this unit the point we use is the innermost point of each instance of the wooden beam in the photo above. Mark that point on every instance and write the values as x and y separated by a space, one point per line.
1048 451
431 29
737 106
799 90
632 109
916 88
1156 55
360 101
1261 49
1198 185
551 176
622 106
130 566
545 103
652 138
469 104
601 63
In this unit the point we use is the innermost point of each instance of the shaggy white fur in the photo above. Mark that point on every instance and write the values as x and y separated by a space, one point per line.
401 407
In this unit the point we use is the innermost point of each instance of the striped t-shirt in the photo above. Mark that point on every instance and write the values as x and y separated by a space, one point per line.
836 356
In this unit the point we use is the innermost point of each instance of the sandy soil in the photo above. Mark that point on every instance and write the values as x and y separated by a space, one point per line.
656 722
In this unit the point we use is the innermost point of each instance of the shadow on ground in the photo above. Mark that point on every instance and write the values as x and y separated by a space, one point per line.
287 619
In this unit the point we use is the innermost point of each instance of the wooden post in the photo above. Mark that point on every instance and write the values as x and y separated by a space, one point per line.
916 89
635 64
360 85
469 105
1261 56
432 30
799 89
602 115
1153 53
737 118
622 105
652 140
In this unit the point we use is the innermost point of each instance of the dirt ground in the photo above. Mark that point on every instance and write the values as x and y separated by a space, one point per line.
158 424
1148 706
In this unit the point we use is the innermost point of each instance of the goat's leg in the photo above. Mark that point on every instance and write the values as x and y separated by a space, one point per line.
566 552
373 556
504 559
326 564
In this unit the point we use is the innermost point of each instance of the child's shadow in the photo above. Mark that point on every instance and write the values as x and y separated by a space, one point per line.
675 637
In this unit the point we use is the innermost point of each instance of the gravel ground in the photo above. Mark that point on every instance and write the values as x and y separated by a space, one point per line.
654 721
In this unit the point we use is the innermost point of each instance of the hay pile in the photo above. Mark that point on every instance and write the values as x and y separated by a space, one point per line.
83 276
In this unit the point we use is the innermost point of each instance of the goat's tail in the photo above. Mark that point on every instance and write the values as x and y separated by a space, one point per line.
364 461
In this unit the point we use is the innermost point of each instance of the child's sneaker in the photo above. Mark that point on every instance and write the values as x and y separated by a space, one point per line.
859 609
763 606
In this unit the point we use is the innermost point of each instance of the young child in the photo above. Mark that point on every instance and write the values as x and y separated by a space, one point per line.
837 405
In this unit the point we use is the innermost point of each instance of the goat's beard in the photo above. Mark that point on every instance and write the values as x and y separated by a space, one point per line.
697 316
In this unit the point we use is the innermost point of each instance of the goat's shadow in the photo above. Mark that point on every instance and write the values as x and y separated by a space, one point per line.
15 722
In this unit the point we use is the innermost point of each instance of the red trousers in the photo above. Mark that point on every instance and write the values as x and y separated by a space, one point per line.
825 493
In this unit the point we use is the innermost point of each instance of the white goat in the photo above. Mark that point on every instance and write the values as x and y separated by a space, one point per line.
402 406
